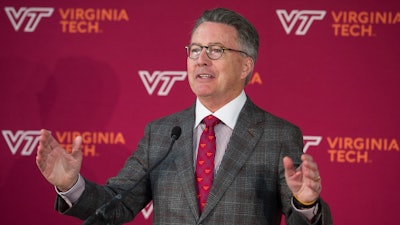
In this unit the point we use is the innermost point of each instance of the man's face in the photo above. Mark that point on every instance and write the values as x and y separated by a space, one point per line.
216 82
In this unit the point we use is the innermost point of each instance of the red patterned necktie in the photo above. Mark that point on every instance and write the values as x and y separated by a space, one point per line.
205 160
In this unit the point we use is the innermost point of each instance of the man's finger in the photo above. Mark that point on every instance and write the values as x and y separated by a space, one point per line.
77 145
289 167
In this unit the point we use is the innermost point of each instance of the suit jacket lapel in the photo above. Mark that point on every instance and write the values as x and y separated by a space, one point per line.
248 130
184 164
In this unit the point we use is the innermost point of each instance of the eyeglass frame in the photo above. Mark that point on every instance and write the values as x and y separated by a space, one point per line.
207 50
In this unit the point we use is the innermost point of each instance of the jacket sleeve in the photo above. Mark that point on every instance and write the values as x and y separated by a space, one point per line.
292 146
94 195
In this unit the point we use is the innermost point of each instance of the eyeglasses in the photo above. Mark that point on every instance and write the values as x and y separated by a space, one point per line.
213 51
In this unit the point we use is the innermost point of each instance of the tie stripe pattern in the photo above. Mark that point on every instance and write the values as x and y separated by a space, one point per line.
205 160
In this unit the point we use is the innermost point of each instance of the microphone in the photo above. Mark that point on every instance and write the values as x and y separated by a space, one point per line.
100 214
175 134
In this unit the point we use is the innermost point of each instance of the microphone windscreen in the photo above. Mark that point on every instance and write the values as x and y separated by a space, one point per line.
176 132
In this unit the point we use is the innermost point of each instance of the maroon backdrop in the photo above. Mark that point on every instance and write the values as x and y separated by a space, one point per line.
103 69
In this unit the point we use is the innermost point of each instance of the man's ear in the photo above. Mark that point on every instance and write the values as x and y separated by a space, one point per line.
248 66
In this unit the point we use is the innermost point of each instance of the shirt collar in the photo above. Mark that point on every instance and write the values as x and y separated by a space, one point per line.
228 114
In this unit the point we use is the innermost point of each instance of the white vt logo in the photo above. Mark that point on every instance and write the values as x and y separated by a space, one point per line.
167 79
311 141
305 17
27 140
32 15
147 211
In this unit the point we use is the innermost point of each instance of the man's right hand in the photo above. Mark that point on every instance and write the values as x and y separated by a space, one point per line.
60 167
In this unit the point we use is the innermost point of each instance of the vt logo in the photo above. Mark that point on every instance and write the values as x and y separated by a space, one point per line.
147 211
311 141
304 17
167 79
26 141
31 16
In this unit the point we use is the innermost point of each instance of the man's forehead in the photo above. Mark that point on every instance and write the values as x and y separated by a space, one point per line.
214 33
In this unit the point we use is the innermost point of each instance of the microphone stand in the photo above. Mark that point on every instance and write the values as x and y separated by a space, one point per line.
101 214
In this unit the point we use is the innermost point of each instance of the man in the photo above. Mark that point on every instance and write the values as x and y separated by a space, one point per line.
253 179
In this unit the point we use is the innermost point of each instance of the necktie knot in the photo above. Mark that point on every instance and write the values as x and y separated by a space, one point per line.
211 121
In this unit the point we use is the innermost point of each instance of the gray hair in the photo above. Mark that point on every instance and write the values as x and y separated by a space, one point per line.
248 36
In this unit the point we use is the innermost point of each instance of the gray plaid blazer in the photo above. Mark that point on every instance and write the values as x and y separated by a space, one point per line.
249 188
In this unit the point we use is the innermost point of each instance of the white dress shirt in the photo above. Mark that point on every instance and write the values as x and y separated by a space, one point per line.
228 115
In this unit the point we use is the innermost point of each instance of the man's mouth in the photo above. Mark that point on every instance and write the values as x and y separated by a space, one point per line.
203 76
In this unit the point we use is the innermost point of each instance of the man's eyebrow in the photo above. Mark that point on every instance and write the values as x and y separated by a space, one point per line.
210 43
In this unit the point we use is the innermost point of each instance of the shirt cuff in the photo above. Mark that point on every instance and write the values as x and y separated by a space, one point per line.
72 195
308 213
